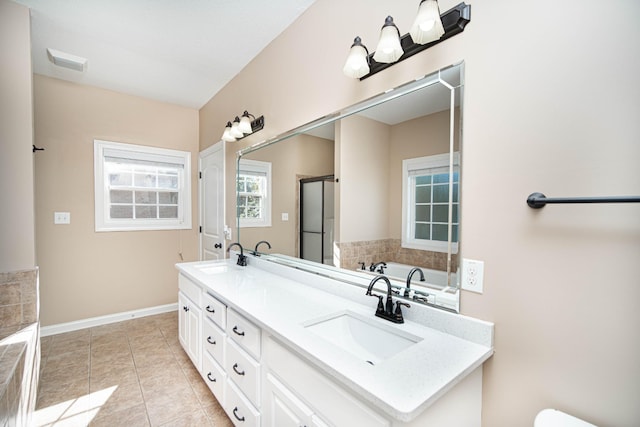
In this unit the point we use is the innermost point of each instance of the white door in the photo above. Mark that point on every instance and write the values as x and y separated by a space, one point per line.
211 190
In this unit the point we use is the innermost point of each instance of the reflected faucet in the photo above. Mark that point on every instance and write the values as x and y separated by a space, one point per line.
242 258
379 265
386 310
411 273
255 251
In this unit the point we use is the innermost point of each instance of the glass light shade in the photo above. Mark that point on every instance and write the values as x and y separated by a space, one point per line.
245 124
235 129
428 26
389 49
357 64
226 135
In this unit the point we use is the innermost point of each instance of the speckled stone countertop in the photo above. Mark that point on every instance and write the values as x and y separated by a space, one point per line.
282 300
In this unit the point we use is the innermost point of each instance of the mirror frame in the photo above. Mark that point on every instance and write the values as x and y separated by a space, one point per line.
346 276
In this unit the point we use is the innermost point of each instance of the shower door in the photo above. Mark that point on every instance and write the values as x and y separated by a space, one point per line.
316 219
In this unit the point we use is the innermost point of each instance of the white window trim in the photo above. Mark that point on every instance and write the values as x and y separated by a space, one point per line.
259 167
140 152
428 162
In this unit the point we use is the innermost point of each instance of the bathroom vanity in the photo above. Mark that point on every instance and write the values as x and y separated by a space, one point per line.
279 346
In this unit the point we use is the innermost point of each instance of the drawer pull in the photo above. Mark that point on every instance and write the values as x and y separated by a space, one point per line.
185 308
209 340
210 310
235 366
235 330
213 380
236 415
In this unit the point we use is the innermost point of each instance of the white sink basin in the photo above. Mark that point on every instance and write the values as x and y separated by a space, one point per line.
365 338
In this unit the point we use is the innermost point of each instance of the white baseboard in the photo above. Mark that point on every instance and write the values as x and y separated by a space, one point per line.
105 320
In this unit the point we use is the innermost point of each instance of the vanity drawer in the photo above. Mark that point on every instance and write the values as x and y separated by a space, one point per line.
214 310
190 289
240 410
245 333
243 371
214 340
215 377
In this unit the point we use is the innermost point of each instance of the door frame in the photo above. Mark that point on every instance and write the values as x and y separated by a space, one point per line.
220 145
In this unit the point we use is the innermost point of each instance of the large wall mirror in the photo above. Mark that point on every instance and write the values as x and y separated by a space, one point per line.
377 182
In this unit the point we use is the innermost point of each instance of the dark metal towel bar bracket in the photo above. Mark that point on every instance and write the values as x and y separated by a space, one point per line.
539 200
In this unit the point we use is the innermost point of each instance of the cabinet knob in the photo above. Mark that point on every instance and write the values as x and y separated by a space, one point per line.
218 246
236 415
235 368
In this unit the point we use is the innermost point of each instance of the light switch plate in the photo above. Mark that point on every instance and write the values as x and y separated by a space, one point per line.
472 275
62 218
285 216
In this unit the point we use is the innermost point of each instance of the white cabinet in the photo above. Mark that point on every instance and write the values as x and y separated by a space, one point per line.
242 363
326 403
189 324
285 409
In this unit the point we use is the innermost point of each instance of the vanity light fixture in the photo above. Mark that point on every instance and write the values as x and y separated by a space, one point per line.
357 64
389 49
429 28
242 127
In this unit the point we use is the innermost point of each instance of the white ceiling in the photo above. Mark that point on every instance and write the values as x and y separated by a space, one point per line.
181 52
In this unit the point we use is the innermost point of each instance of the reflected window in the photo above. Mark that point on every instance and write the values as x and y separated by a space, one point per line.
141 188
427 185
253 189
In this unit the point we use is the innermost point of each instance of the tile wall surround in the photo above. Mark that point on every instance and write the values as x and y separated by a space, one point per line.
389 250
18 300
19 349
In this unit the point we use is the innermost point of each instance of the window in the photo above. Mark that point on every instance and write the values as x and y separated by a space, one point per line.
254 193
425 203
141 188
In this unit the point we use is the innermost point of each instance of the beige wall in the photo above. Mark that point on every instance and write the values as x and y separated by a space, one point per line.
424 136
551 104
17 242
302 155
85 274
364 180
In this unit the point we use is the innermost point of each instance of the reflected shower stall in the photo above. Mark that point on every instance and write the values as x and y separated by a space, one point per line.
317 219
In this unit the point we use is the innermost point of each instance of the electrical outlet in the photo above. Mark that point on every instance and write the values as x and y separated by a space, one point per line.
472 275
61 218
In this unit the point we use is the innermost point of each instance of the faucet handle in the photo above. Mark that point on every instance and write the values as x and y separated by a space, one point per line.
398 313
380 303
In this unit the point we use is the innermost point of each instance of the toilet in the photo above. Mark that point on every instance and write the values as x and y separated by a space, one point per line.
555 418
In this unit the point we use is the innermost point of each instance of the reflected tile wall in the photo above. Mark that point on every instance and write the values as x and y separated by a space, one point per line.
389 250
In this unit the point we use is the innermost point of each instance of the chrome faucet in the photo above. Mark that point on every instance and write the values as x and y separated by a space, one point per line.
386 310
242 258
411 273
255 251
379 265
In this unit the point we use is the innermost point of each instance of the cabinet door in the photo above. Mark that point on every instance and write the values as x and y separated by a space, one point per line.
194 340
283 408
182 320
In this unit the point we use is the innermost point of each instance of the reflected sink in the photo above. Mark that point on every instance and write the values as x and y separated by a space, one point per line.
362 337
212 269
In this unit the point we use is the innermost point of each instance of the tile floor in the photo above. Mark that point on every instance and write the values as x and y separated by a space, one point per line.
132 373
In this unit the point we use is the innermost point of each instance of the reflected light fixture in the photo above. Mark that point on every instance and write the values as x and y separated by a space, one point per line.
389 49
67 60
357 64
242 127
429 28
